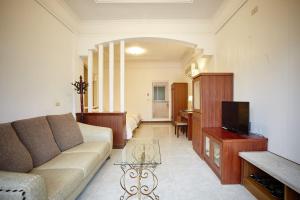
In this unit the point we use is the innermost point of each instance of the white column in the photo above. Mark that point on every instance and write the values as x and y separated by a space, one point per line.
100 77
122 76
90 80
111 77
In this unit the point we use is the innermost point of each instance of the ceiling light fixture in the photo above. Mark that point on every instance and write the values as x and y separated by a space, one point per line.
135 50
144 1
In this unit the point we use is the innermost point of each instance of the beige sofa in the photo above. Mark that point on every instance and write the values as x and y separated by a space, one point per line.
64 176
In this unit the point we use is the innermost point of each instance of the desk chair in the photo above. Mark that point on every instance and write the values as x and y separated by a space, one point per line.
180 125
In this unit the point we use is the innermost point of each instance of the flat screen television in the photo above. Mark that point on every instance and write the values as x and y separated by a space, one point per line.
235 116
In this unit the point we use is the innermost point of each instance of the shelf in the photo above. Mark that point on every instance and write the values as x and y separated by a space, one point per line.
278 167
259 191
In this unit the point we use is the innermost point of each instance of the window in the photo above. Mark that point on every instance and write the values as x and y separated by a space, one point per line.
159 93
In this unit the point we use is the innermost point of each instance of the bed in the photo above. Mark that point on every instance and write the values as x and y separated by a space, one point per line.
132 122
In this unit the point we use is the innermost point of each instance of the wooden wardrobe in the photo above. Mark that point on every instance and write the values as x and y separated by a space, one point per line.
179 98
209 90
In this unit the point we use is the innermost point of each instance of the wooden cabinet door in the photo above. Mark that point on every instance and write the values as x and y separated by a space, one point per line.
197 133
216 156
206 148
196 94
212 153
173 103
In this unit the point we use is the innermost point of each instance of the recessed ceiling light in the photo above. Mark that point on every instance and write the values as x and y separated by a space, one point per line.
144 1
135 50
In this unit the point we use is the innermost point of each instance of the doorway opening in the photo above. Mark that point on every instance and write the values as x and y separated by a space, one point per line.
164 61
160 100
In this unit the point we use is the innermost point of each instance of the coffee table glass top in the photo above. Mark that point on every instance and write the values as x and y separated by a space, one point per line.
140 152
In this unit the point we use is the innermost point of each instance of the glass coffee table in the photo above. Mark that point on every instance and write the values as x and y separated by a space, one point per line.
138 161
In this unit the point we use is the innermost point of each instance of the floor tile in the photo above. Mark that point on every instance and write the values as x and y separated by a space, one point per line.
182 174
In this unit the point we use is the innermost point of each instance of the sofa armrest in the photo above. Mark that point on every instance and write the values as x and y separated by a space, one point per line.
17 186
96 133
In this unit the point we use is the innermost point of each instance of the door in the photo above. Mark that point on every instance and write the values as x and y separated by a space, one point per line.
160 100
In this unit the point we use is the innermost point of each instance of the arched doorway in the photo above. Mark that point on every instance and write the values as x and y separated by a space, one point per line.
163 61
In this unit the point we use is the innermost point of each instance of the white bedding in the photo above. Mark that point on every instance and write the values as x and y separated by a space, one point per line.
135 117
132 121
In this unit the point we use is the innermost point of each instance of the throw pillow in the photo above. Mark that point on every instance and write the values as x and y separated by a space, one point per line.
36 135
65 130
13 154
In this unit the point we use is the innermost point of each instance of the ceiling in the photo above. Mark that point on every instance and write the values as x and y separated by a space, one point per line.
156 50
159 9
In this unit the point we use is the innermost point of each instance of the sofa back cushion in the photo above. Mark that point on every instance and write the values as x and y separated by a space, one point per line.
36 135
65 130
13 154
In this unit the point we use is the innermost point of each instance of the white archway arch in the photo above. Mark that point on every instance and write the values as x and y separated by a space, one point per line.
111 78
186 43
204 41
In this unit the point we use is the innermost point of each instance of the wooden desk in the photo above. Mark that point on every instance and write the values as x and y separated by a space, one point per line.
187 115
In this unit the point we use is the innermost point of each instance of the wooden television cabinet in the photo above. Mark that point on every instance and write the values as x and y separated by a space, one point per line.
221 152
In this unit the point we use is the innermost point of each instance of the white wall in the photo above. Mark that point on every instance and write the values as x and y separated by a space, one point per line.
139 76
263 51
37 62
139 79
198 32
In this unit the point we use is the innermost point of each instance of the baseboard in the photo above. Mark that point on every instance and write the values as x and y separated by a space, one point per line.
155 122
138 125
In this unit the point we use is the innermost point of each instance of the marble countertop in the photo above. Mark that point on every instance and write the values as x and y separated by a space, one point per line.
280 168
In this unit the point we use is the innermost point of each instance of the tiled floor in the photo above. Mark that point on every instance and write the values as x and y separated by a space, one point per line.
182 174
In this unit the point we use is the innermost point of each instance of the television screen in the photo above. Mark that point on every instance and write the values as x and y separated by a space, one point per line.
235 116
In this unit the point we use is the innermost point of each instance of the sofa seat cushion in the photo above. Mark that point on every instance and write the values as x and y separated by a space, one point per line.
60 183
101 148
36 135
13 154
65 131
86 162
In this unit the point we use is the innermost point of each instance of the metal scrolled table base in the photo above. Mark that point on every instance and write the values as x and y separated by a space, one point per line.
138 182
